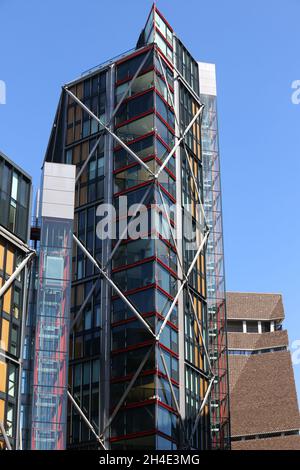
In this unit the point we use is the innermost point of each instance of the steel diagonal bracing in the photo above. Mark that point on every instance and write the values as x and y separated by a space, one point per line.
114 286
128 388
16 273
5 436
85 419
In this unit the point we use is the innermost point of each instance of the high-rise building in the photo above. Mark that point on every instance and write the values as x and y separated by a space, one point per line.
263 399
15 256
148 366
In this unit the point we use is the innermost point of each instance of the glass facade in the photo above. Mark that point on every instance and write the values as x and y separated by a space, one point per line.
216 302
49 400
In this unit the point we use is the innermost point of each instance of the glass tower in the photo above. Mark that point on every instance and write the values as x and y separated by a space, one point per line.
140 365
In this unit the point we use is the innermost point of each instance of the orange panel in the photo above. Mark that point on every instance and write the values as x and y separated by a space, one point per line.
4 334
9 261
3 370
7 301
2 406
1 256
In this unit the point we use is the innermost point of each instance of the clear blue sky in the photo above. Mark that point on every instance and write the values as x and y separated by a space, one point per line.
255 45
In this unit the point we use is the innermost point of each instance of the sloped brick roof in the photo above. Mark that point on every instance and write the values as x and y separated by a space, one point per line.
254 306
262 394
274 443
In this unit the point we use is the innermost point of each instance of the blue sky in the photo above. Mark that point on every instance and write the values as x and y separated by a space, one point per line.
254 44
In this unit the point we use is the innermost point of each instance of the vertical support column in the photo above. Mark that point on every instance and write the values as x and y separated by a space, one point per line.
106 291
179 232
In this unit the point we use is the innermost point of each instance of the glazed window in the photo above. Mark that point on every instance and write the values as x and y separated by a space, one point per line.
265 326
133 278
136 129
164 111
235 326
135 107
164 392
14 340
17 302
10 420
128 362
166 254
133 420
134 251
164 132
163 28
166 422
172 365
144 302
127 69
132 177
169 337
129 334
149 26
165 280
143 148
163 305
252 327
12 380
141 83
165 49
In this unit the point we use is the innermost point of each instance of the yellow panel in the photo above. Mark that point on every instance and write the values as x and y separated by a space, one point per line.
2 406
7 301
1 256
4 334
3 369
9 261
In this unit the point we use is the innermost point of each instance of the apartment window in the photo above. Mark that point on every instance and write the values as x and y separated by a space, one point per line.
137 128
141 83
17 302
127 69
265 326
166 422
135 107
164 111
234 326
14 340
10 420
252 327
12 376
143 148
164 132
